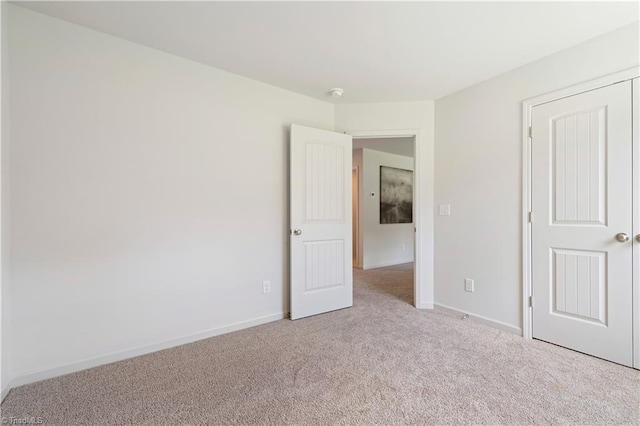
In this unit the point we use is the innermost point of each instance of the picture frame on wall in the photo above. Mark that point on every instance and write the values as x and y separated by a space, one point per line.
396 195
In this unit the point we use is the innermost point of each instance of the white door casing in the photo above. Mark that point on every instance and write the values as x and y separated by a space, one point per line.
320 233
423 288
354 214
581 182
636 222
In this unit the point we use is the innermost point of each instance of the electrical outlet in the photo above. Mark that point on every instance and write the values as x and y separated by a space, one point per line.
402 247
468 285
266 287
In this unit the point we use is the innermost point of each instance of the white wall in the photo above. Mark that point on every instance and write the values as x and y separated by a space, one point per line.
148 196
382 243
479 172
398 146
5 307
404 116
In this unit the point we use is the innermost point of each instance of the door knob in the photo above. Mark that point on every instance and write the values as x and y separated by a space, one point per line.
299 232
622 237
638 238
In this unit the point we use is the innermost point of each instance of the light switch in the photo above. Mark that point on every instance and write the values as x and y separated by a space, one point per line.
445 209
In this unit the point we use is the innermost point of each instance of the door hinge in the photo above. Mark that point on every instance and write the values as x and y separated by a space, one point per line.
530 217
530 132
530 301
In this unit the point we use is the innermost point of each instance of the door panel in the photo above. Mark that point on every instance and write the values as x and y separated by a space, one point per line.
320 241
582 198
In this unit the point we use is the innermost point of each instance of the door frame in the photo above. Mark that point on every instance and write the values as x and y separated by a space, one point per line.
527 279
422 279
356 224
635 111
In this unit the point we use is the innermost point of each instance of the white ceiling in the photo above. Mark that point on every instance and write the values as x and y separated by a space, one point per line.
375 51
398 146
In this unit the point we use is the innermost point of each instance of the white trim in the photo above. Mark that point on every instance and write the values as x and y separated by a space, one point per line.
527 325
527 105
607 80
4 113
423 289
36 376
358 260
383 265
4 393
481 319
375 134
636 221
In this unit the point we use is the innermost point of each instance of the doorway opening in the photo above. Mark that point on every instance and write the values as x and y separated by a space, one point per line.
384 217
320 201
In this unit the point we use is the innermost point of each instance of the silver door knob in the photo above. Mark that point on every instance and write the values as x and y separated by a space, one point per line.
638 238
622 237
297 232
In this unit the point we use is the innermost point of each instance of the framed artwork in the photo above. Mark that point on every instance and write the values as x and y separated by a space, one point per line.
396 195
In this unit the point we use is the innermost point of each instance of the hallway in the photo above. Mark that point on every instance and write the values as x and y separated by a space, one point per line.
396 280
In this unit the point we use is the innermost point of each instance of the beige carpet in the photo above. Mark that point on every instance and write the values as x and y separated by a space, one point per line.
380 362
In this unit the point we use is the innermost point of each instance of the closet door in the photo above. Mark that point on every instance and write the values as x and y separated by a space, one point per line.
582 230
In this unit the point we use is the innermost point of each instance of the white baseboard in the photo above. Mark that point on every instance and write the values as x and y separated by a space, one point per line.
4 393
479 318
36 376
424 305
382 265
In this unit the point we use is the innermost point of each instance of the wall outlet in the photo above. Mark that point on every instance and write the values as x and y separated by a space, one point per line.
402 247
266 287
468 285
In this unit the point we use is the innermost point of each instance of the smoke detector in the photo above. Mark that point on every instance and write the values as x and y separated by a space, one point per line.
336 93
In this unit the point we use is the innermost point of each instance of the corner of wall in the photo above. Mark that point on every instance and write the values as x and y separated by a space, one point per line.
488 163
4 392
5 331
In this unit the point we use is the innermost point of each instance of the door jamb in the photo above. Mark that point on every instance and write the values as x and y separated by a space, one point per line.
527 279
356 225
423 280
635 111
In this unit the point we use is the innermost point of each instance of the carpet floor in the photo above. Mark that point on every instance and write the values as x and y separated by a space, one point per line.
380 362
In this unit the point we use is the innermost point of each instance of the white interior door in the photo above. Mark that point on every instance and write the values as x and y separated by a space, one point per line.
582 204
320 234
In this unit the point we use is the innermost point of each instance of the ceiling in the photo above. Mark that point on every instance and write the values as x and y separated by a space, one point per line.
398 146
375 51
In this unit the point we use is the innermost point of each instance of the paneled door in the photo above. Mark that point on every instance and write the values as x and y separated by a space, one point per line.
320 233
582 207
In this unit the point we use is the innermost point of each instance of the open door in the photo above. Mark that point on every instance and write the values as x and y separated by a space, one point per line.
320 232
